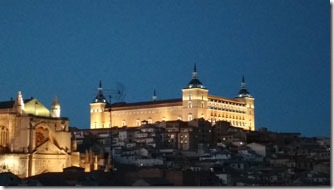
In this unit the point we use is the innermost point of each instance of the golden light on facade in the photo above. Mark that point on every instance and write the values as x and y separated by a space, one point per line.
195 103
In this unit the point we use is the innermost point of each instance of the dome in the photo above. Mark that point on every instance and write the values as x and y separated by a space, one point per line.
244 93
195 83
99 98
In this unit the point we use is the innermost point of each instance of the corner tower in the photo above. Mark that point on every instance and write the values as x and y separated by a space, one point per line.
55 108
248 99
97 107
194 99
19 104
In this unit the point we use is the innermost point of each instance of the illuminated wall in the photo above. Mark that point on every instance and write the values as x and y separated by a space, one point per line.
31 140
195 103
133 115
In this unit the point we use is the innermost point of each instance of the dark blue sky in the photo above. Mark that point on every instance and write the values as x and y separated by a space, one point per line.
64 48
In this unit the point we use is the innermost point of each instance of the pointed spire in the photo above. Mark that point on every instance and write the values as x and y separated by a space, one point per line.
100 85
195 83
243 84
99 97
55 108
154 97
195 72
19 104
55 101
243 91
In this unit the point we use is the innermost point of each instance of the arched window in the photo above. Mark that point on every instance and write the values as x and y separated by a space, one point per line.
42 135
4 135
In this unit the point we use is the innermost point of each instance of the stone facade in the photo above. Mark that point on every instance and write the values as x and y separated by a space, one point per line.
196 102
33 140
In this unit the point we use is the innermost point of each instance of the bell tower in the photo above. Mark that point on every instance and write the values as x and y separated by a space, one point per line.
194 99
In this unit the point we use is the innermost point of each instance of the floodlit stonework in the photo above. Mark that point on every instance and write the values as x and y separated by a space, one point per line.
196 102
33 140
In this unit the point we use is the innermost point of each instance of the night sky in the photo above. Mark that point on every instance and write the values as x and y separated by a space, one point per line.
64 48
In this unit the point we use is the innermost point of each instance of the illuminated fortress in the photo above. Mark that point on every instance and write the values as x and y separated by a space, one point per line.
196 102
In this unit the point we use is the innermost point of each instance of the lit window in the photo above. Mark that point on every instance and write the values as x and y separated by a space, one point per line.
190 104
190 117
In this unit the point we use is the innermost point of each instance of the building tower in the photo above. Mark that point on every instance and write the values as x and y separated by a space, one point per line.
248 99
55 108
19 104
97 118
194 99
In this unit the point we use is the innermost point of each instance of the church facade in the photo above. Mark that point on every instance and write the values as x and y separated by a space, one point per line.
196 102
34 139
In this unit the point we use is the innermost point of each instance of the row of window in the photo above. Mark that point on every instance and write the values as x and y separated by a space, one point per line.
228 110
190 97
225 106
225 102
228 116
190 105
234 123
96 110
